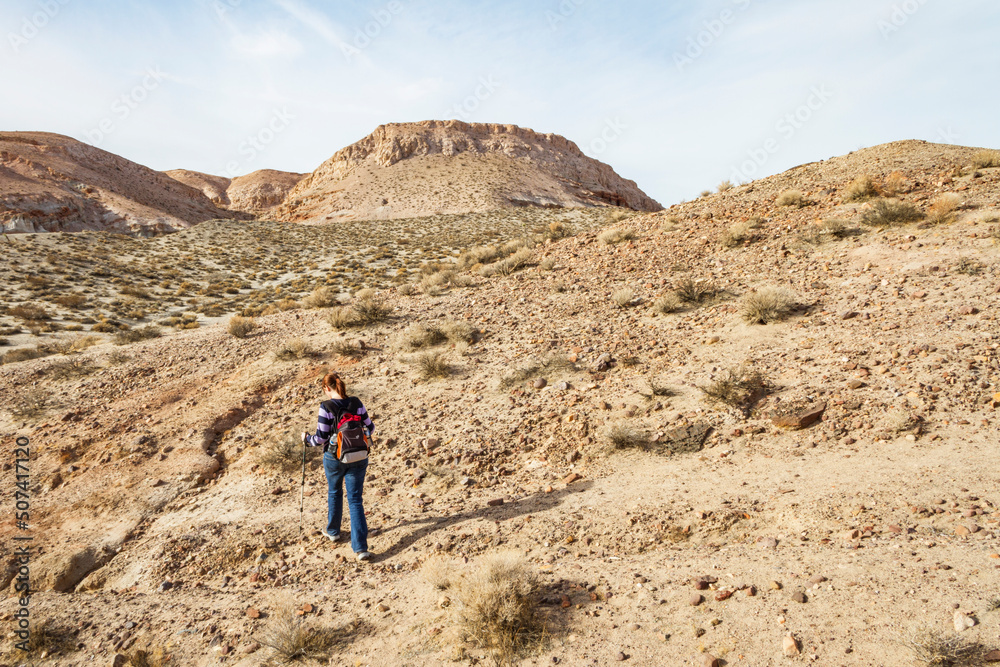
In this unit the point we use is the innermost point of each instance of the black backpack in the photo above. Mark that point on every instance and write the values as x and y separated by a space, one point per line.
353 444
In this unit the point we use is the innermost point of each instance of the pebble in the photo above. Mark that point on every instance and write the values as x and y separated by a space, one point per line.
789 646
621 657
496 502
767 542
963 622
775 586
383 608
540 383
992 656
696 600
709 660
253 612
799 596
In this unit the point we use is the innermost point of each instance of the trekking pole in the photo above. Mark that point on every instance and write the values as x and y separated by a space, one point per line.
302 490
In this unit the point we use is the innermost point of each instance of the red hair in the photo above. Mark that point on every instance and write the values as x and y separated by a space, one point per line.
333 381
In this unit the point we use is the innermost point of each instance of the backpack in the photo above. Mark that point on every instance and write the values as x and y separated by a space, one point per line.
353 442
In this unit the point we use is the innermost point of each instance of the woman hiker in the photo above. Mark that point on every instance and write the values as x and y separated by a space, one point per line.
344 430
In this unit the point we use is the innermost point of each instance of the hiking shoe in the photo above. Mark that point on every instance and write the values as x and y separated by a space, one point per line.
364 555
334 537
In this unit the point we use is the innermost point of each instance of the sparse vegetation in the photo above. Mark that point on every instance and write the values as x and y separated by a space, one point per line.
828 230
936 649
432 365
986 159
284 452
694 291
370 310
322 297
438 571
969 267
668 303
342 317
891 212
739 233
241 327
624 436
725 186
289 639
346 348
499 606
623 297
737 388
792 198
615 236
130 336
657 390
26 353
895 184
767 305
861 188
509 265
31 404
292 349
943 208
553 364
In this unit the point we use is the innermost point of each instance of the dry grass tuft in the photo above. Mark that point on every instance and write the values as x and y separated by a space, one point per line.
284 452
241 327
623 297
624 436
289 639
668 303
737 387
895 184
891 212
294 348
431 365
766 305
936 649
31 404
508 265
150 656
615 236
861 188
985 159
739 233
725 186
322 297
792 198
370 310
693 291
553 364
942 210
499 607
130 336
342 317
438 571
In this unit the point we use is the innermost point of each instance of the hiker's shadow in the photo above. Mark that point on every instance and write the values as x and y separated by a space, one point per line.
536 502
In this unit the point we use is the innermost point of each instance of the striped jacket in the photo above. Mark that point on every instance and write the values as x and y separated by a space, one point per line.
330 413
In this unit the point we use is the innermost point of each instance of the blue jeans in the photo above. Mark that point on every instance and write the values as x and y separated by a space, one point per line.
351 475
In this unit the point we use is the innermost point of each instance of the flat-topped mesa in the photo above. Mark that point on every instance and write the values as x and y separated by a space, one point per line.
423 168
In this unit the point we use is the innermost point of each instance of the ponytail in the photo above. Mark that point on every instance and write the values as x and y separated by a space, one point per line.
333 381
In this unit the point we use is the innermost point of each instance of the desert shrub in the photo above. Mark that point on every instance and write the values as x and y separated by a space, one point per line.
943 208
624 436
509 265
725 186
969 267
457 332
861 188
499 606
289 639
657 390
346 348
370 310
766 305
479 255
986 159
615 236
104 327
294 348
406 289
241 327
118 357
70 300
342 317
890 212
26 353
284 452
623 297
431 365
73 367
737 387
29 312
737 235
692 291
137 292
556 231
130 336
150 656
791 198
438 571
935 649
322 297
420 335
52 638
30 404
668 303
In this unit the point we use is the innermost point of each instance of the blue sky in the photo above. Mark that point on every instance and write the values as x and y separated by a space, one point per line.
676 96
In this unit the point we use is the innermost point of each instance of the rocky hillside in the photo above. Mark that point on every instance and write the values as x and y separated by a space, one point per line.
54 183
405 170
758 428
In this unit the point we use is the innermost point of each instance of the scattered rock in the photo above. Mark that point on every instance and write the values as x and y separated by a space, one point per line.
709 660
696 600
496 502
572 477
687 439
963 621
799 596
790 646
253 612
801 419
540 383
